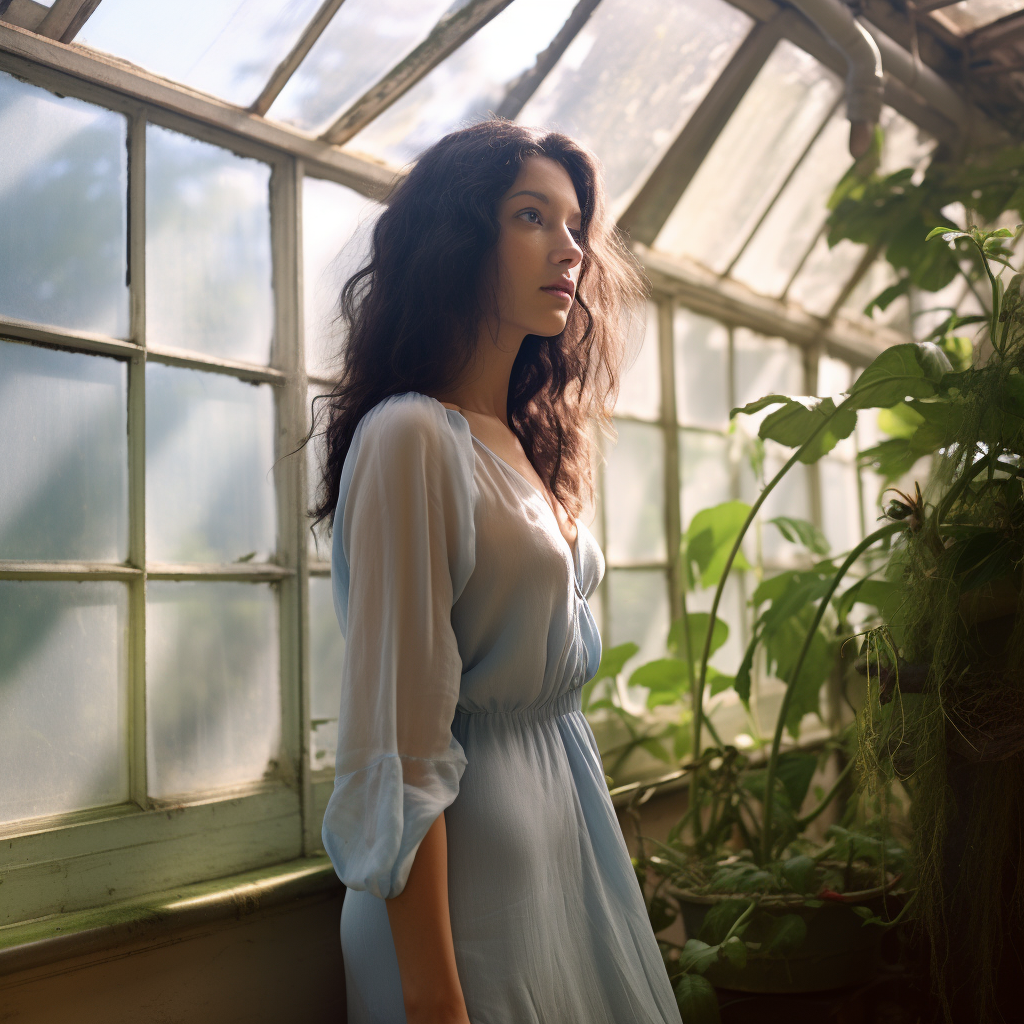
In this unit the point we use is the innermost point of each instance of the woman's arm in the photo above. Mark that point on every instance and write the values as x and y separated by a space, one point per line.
422 931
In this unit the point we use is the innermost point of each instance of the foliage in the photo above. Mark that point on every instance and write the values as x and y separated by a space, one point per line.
947 710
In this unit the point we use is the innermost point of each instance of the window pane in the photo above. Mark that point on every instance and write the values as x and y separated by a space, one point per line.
209 471
635 494
64 452
226 47
766 366
208 283
702 370
840 503
467 85
824 273
705 473
967 19
336 232
638 602
790 97
630 80
797 215
326 657
640 385
63 697
213 691
363 41
791 497
63 207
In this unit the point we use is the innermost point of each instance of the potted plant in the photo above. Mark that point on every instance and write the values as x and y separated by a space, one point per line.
947 708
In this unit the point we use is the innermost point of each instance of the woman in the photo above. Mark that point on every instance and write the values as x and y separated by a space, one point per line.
470 820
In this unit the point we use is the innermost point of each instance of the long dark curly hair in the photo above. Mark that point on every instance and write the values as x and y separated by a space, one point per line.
411 314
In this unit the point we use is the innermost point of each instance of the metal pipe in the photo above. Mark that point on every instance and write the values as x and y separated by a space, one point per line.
864 86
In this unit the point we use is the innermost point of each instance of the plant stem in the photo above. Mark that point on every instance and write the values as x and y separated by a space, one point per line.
829 797
741 920
698 693
787 698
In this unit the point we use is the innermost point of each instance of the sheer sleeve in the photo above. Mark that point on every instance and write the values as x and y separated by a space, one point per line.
403 549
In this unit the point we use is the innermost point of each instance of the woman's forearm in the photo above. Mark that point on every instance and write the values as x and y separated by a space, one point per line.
422 932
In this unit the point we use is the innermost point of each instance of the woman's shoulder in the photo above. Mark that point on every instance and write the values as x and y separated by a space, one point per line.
412 421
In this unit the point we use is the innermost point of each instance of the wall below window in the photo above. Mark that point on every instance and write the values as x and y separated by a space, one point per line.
275 966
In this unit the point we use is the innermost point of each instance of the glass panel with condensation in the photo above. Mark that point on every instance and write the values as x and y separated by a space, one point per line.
640 613
209 467
840 503
630 80
337 224
365 39
776 119
326 659
64 449
965 18
820 280
468 85
208 279
63 696
634 492
797 215
767 366
63 211
702 370
213 692
229 48
705 471
640 383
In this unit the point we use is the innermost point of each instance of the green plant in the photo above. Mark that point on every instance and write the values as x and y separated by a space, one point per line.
946 714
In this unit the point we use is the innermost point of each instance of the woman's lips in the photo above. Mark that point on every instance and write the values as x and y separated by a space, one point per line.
559 292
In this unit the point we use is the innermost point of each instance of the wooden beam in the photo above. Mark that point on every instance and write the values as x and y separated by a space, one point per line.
248 572
724 299
445 37
25 53
995 35
657 197
988 70
23 13
287 67
15 570
65 19
522 88
190 360
64 337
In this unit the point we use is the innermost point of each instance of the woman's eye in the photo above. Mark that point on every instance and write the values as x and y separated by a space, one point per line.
531 215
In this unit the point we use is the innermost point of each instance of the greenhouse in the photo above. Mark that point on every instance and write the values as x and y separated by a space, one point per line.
807 494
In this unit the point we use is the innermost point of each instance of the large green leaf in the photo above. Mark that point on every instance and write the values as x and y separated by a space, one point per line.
697 956
720 918
785 936
899 421
613 659
799 872
697 1001
664 674
795 771
710 537
698 632
802 419
910 370
800 531
782 648
891 459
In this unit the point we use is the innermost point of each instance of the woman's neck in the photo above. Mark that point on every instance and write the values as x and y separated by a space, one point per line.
483 387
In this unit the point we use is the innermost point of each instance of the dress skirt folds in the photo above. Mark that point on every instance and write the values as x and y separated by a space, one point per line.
468 638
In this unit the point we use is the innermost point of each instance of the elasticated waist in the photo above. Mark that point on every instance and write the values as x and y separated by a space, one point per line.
563 704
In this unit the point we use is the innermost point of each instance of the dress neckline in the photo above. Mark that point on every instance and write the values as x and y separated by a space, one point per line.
574 549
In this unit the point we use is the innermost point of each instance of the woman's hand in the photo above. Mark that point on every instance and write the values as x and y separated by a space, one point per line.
422 932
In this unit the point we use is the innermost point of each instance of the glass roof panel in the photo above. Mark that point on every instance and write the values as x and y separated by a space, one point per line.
966 17
633 76
774 122
782 239
826 271
468 85
225 47
364 40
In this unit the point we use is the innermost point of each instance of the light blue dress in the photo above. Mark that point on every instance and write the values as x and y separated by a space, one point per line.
468 640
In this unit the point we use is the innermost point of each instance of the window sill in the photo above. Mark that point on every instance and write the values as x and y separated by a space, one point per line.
61 936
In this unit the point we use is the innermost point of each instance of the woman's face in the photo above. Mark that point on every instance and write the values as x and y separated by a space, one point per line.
538 255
